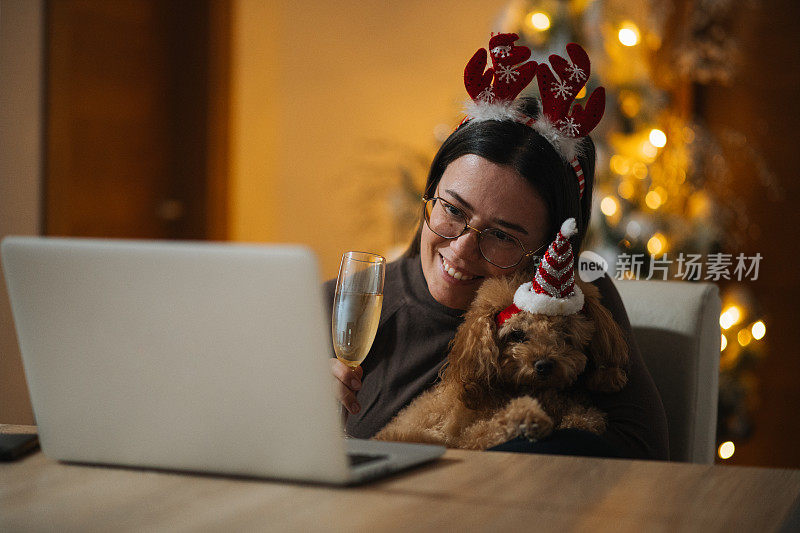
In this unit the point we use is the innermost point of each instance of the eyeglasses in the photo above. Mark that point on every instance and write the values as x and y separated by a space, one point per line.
496 246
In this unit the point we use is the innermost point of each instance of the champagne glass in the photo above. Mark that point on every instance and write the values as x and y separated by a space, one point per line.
357 305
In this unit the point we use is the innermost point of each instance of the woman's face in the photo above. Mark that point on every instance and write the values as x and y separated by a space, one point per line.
491 196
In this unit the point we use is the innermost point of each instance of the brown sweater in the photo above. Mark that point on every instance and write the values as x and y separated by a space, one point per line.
411 346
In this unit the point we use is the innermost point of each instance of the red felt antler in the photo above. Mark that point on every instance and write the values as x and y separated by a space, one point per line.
508 76
558 93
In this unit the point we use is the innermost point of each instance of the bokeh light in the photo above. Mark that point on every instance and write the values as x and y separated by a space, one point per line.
658 138
648 150
609 206
634 229
657 244
653 199
626 189
726 450
619 164
629 34
630 103
744 337
730 316
540 21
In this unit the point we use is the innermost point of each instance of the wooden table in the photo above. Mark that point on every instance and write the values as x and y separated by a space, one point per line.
472 491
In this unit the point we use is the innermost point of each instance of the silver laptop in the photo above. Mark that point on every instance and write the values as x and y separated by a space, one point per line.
185 356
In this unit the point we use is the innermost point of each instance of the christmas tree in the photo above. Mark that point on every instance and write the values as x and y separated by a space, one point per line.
662 207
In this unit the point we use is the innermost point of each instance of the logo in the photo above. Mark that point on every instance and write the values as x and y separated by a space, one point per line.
591 266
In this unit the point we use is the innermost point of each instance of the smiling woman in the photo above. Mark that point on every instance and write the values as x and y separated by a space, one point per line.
487 196
498 191
502 178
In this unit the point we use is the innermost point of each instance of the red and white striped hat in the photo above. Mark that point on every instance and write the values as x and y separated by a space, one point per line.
552 290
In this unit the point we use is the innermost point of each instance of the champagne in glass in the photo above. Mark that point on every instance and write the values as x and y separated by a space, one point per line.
357 305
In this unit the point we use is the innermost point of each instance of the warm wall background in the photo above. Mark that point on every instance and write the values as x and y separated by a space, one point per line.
315 86
313 90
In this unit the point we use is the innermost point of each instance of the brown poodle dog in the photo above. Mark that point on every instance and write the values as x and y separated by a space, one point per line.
526 378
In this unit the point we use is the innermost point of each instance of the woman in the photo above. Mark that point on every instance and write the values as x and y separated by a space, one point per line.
510 185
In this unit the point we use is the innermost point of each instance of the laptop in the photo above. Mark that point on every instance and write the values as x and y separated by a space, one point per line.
203 357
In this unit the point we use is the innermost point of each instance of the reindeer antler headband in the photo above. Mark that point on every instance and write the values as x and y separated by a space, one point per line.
494 92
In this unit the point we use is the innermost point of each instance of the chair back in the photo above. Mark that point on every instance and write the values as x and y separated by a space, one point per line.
676 325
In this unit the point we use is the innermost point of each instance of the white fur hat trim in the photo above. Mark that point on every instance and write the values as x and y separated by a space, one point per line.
482 111
544 304
567 147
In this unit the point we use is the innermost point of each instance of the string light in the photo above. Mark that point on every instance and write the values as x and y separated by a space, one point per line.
540 21
759 329
628 34
634 229
744 337
648 150
620 164
609 206
653 200
658 138
625 189
730 316
630 103
726 450
724 342
639 170
657 244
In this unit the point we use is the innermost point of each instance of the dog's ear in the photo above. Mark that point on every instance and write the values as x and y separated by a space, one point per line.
494 295
473 361
608 348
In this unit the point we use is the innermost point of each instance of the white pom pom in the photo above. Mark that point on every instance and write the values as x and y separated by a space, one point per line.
569 228
481 111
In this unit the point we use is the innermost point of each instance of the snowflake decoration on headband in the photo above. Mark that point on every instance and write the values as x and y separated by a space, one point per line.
560 89
576 73
486 96
501 51
494 91
509 74
568 126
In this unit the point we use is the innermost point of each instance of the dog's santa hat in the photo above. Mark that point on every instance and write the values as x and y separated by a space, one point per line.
552 290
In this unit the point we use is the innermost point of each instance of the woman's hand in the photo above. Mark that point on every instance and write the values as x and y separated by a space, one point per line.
348 384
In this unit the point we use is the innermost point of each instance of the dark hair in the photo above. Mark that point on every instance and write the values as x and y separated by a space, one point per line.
522 148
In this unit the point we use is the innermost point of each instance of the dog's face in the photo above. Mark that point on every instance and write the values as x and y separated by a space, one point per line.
533 352
537 352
